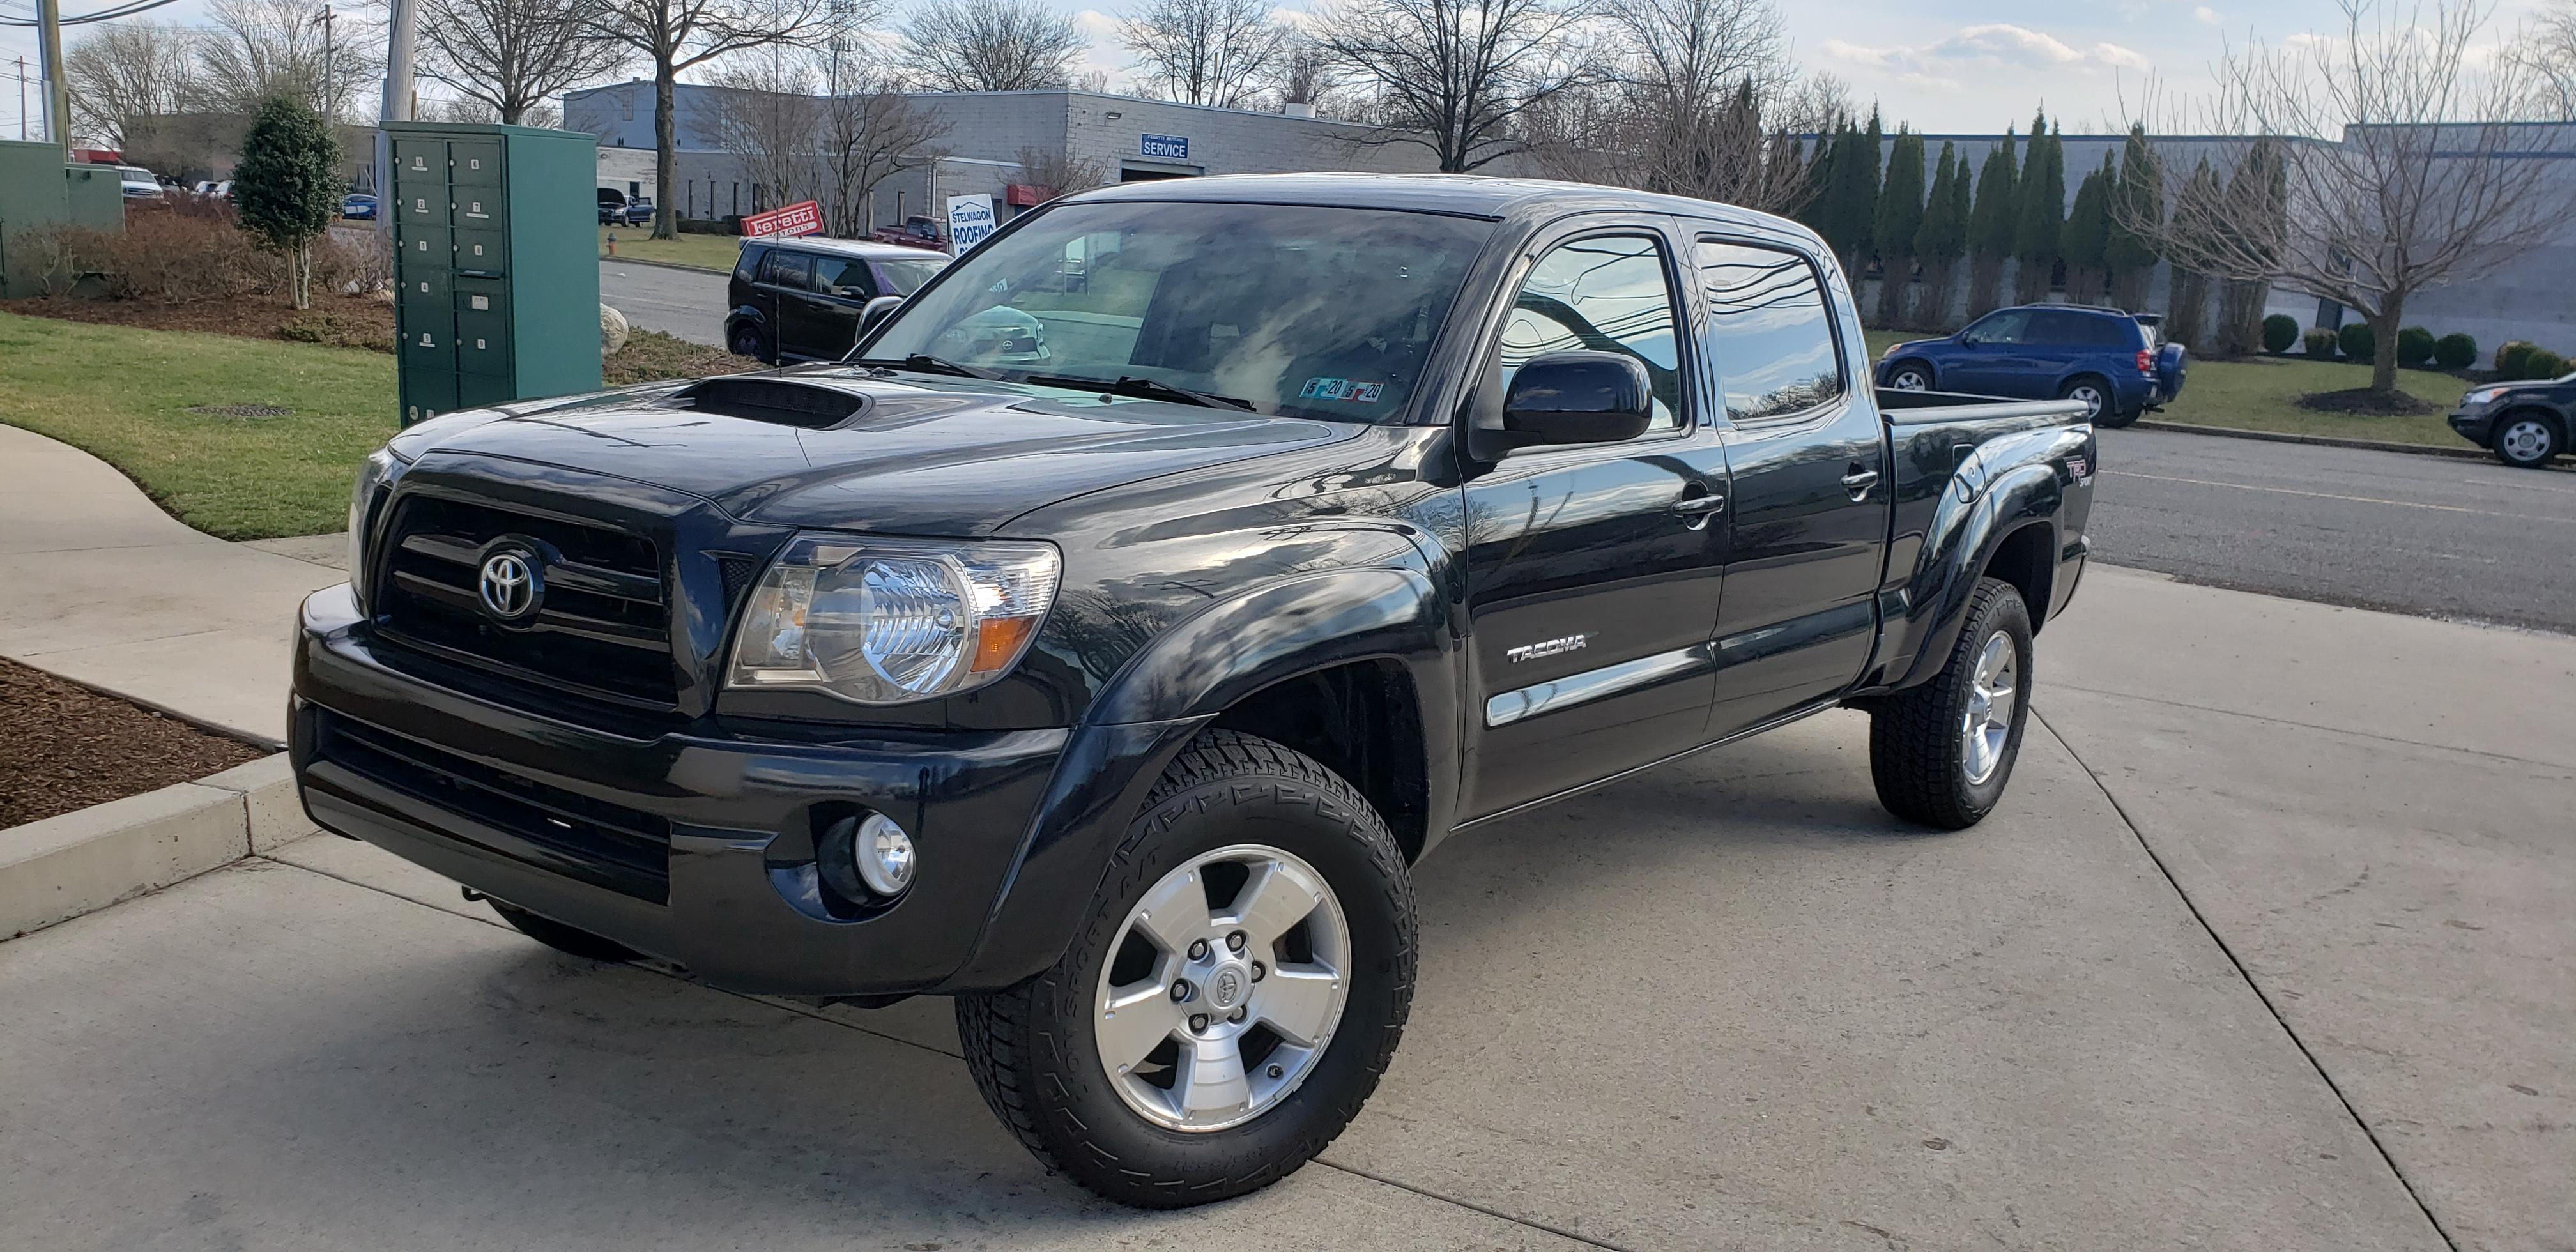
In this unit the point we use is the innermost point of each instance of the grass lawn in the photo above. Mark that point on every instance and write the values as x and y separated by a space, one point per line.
125 396
2261 393
706 252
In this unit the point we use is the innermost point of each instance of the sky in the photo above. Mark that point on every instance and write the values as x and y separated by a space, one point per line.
1941 65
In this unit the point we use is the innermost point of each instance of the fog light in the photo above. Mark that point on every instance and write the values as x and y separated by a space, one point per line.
884 854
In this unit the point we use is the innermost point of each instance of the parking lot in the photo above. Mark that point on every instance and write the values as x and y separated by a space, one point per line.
2266 949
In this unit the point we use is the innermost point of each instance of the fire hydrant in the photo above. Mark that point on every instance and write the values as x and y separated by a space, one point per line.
612 243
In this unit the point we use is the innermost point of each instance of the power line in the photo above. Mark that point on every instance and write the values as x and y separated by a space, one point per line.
103 15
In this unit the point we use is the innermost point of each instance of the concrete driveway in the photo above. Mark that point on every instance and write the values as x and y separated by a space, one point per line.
2267 949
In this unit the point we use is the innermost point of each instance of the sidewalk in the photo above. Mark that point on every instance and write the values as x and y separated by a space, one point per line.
104 588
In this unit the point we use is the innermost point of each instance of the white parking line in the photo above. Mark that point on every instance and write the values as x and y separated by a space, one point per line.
2328 495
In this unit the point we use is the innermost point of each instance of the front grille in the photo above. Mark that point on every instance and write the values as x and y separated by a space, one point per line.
604 844
602 631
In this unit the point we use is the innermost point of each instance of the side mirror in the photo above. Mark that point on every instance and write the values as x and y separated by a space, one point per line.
877 310
1578 397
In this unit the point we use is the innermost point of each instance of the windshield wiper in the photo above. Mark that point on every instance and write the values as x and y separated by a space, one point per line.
927 364
1143 388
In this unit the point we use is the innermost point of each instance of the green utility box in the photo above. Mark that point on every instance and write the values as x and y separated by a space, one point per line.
37 190
496 262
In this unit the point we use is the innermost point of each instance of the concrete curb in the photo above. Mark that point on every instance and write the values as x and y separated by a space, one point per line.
2328 441
80 862
664 265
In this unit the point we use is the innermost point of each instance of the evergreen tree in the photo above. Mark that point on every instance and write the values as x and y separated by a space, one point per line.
2187 301
287 188
1820 185
1900 218
1990 226
1851 210
2136 215
1942 239
2042 215
2086 233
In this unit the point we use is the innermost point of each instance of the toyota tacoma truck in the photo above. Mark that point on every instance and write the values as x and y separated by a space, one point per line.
1115 691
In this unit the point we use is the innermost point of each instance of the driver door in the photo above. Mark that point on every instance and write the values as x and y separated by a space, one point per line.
1593 570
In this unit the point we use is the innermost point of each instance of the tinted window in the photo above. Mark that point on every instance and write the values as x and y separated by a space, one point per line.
846 277
1772 329
786 269
2009 326
749 263
904 276
1605 294
2060 328
2117 332
1320 312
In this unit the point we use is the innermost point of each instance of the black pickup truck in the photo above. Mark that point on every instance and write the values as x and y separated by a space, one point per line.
1114 691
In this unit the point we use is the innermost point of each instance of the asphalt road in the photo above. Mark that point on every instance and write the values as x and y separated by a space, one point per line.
2467 540
686 303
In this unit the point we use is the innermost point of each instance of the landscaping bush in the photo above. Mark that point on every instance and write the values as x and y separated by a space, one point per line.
2357 342
2543 363
2414 347
2509 357
2318 342
2455 352
2280 331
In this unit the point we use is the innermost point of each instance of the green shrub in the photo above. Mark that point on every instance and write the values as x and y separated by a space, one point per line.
2414 347
2318 342
2357 342
2455 352
2509 357
2543 363
2280 331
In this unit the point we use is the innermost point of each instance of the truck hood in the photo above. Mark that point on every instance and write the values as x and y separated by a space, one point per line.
924 455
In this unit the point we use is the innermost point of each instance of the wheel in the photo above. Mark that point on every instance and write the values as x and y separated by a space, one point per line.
562 938
1910 376
2096 395
746 340
2527 440
1241 981
1941 753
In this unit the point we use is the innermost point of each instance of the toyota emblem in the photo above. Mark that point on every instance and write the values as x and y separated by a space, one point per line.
509 586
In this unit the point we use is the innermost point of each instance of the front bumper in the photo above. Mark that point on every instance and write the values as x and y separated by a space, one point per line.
695 845
2475 425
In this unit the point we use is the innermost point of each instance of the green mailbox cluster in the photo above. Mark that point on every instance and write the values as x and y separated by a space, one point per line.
496 264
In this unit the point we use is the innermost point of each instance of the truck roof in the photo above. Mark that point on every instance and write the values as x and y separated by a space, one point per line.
1474 195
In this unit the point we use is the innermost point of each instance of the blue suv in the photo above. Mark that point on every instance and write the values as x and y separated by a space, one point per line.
2108 359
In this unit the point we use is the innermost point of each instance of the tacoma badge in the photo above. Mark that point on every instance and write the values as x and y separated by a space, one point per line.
1547 648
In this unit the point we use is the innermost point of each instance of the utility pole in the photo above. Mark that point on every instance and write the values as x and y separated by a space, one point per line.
404 20
330 99
58 95
22 99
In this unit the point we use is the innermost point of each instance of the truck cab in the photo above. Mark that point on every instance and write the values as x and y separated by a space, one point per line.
1114 691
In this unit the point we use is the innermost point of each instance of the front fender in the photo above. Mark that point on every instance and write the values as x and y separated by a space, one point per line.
1167 693
1973 520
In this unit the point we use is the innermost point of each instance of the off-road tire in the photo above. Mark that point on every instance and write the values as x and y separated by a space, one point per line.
562 938
1030 1047
1917 756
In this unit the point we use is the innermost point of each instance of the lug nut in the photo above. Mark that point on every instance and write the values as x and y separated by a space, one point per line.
1238 1016
1258 971
1234 942
1277 1072
1198 950
1180 990
1198 1022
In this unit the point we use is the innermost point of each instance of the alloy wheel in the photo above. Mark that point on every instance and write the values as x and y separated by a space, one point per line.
1223 988
2092 400
2525 440
1909 379
1992 692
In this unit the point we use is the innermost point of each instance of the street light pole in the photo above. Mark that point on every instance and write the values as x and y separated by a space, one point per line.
397 105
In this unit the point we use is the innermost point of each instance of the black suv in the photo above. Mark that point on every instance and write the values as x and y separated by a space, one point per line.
800 299
2525 424
1115 693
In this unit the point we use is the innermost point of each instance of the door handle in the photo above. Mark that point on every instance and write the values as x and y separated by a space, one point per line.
1859 481
1699 508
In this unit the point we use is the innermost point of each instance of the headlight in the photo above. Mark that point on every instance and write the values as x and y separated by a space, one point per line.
2482 397
892 621
373 474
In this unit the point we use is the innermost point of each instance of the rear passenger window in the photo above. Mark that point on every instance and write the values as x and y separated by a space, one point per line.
1772 330
786 269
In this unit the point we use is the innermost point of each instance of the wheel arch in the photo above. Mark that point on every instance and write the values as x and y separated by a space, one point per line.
2010 529
2556 421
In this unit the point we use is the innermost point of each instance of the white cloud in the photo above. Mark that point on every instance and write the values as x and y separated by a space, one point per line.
2207 15
1985 47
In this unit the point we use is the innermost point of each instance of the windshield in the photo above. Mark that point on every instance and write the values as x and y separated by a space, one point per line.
1318 312
905 276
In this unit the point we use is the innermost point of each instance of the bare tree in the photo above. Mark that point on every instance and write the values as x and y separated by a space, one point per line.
299 49
2424 187
127 81
1304 74
2545 49
678 35
1060 173
513 55
869 134
544 113
1216 52
1457 76
988 45
767 115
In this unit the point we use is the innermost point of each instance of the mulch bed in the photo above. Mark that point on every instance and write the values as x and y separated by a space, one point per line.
341 321
2364 401
65 747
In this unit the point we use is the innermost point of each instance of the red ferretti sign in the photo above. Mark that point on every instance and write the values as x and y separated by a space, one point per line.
804 217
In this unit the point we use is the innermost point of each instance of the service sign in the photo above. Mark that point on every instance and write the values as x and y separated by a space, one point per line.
805 217
1166 147
970 219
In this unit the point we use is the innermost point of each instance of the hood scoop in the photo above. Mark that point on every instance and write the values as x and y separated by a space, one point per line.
779 401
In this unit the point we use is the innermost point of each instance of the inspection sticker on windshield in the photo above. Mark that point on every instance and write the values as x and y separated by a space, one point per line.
1341 389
